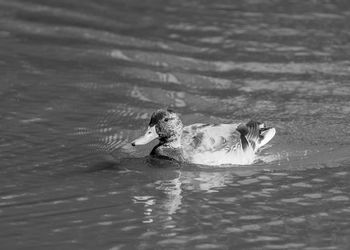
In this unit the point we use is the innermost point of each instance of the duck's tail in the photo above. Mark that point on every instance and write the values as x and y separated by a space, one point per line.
255 134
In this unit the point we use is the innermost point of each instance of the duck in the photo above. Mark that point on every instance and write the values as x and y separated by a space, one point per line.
204 143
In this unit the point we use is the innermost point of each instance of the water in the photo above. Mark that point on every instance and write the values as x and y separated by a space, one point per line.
80 79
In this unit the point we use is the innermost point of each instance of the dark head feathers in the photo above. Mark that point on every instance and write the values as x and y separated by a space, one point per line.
156 117
159 115
170 110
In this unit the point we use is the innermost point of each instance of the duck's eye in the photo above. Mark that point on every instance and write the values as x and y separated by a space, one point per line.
166 119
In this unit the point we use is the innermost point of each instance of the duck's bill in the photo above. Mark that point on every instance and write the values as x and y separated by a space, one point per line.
149 136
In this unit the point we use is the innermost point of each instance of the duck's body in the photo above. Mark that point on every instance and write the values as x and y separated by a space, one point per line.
208 144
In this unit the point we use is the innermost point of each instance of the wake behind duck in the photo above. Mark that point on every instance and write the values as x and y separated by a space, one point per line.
206 144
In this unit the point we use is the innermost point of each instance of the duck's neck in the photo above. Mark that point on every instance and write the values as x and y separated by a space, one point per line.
173 141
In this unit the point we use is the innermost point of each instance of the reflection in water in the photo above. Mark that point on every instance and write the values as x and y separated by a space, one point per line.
177 182
253 198
147 201
173 191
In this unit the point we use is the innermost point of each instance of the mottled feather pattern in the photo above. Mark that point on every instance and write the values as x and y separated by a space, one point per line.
207 137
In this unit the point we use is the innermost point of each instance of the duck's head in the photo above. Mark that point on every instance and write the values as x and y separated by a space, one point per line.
165 125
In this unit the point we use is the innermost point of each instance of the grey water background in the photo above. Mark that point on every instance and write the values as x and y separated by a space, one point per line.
79 80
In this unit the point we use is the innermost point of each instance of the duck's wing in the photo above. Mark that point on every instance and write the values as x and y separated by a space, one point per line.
200 137
255 134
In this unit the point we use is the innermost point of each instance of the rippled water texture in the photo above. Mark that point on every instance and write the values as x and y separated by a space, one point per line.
79 80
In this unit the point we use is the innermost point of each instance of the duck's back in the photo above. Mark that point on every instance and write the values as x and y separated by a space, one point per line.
211 144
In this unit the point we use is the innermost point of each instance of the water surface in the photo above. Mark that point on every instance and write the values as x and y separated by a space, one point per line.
79 81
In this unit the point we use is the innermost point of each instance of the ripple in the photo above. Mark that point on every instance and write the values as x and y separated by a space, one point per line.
264 238
192 81
339 198
148 200
302 184
209 246
105 223
297 219
248 181
250 217
190 27
339 68
286 246
92 34
107 133
164 60
276 223
118 247
82 198
233 230
291 200
319 88
60 12
314 195
342 173
251 227
176 241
